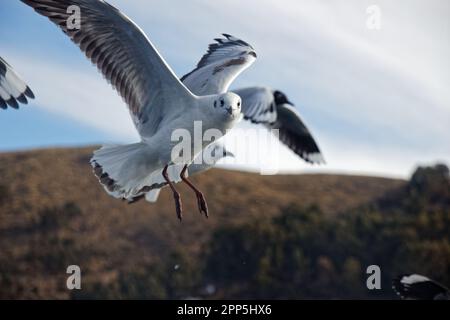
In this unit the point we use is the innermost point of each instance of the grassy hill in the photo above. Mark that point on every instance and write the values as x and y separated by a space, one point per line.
53 213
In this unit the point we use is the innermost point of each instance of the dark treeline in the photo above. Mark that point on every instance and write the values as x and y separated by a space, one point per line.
304 254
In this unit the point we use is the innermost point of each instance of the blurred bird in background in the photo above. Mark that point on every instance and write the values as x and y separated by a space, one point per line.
13 90
418 287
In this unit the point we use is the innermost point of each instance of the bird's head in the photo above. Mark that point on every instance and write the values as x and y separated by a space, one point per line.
230 103
280 98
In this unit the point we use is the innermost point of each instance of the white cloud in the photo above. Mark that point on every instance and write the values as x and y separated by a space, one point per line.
83 96
377 101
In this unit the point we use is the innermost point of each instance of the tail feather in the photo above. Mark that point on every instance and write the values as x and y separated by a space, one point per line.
129 171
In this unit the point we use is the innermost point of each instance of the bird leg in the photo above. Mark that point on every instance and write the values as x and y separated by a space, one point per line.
201 202
176 194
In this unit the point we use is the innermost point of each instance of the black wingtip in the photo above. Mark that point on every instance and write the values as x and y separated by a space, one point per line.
12 103
29 93
22 99
2 67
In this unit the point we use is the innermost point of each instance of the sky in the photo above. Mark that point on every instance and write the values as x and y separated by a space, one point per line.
376 100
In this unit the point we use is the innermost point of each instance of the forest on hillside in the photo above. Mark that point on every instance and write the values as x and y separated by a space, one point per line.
302 254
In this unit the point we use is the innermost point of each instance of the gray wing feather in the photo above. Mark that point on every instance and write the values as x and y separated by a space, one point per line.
124 55
222 63
294 134
259 106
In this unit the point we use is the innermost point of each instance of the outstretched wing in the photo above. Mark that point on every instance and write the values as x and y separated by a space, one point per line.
259 106
415 286
124 55
217 69
12 88
295 134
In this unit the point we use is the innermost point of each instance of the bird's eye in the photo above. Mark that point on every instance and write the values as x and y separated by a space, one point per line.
222 103
239 104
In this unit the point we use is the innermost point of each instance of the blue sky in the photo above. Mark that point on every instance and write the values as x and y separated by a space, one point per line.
376 101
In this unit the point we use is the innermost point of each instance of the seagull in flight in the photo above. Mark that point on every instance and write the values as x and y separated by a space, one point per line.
418 287
13 90
159 103
260 105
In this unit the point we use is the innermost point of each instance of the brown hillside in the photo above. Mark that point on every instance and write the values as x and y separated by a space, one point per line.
103 234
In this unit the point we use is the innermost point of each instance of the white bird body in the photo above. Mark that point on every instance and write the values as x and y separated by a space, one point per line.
202 110
138 166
